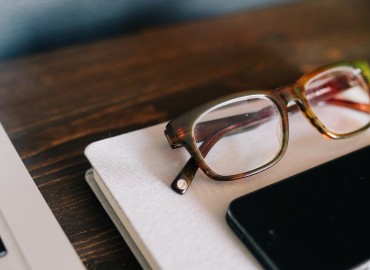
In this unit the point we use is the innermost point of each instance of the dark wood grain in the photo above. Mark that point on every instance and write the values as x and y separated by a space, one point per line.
53 105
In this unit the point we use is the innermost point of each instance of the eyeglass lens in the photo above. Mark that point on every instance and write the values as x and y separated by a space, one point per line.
339 97
256 128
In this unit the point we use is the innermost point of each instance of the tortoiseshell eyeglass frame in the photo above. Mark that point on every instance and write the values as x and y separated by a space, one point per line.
180 131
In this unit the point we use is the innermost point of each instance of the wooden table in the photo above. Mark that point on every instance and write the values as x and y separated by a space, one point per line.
53 105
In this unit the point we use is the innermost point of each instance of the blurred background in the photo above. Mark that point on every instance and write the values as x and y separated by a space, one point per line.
32 26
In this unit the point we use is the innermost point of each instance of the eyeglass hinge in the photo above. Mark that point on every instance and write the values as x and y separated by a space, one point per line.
172 140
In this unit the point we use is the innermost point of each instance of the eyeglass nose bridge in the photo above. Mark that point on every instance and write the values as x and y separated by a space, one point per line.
288 93
292 97
294 101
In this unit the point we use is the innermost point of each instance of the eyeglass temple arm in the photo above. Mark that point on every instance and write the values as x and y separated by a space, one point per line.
183 180
365 108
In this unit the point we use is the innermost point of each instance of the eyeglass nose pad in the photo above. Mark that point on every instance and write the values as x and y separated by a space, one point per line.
288 94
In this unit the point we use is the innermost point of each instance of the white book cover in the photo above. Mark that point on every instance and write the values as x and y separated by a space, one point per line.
166 230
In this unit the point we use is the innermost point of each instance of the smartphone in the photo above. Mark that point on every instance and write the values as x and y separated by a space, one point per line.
2 249
318 219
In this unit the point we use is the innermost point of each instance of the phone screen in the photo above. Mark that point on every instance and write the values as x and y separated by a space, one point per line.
2 249
318 219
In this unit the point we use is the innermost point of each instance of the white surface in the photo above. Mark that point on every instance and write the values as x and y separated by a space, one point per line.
91 177
190 231
27 226
13 258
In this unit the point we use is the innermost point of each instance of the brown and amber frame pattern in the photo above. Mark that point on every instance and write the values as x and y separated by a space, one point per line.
180 131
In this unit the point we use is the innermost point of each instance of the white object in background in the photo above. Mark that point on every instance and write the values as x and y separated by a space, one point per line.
32 236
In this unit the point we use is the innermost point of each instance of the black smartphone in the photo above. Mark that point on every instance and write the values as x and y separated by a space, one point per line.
2 249
318 219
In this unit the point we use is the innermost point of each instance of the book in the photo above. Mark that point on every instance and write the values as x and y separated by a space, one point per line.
132 173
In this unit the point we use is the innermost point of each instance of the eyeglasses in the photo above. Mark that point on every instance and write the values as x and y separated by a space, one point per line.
245 133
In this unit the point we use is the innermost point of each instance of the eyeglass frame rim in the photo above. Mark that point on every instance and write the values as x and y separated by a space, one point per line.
180 130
